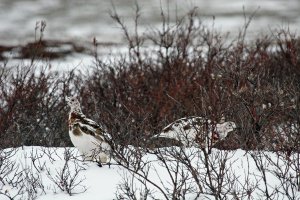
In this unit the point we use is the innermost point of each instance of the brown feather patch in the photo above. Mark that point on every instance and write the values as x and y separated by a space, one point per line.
76 130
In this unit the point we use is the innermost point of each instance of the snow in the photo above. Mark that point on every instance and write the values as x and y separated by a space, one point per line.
93 182
83 20
100 183
92 179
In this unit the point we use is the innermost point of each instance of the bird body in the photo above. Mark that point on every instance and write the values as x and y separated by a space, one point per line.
87 135
196 131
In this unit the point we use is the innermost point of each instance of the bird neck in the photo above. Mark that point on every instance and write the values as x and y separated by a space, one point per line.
76 110
73 116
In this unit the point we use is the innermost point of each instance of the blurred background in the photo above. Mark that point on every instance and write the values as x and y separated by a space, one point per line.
82 20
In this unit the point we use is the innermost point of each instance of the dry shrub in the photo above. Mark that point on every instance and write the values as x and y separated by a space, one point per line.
32 110
189 70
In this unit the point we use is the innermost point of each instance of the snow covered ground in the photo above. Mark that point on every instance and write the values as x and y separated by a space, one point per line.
46 167
59 173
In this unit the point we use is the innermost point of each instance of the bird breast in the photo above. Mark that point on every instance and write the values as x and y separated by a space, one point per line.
85 143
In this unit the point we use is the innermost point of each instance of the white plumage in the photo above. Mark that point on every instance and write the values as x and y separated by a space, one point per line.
196 131
86 135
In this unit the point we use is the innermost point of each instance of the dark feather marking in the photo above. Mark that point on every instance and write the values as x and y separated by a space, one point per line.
76 130
84 119
186 127
99 133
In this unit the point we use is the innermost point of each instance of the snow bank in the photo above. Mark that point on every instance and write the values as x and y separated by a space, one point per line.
59 173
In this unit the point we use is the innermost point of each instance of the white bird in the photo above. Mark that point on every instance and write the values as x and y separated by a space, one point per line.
196 131
87 135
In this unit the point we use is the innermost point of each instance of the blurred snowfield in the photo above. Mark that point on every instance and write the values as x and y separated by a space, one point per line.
80 21
85 19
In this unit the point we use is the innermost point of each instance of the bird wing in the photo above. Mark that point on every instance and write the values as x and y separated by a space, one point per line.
92 128
88 121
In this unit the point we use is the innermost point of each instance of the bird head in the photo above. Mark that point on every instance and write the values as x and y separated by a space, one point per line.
74 104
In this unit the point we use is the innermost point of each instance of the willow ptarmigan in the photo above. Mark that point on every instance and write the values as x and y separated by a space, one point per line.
86 135
196 131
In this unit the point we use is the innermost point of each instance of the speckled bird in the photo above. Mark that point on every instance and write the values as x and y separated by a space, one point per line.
196 131
87 135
